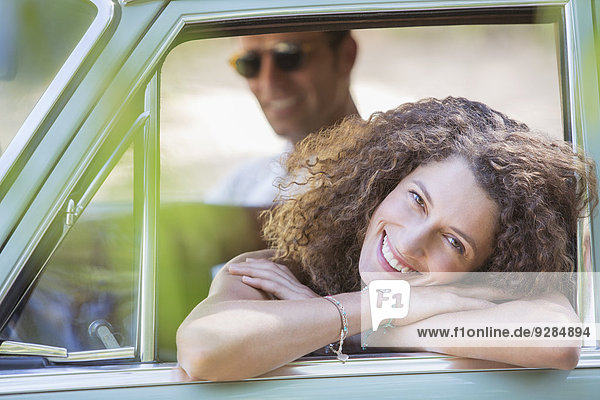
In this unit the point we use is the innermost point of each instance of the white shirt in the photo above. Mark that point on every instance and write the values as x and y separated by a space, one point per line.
252 184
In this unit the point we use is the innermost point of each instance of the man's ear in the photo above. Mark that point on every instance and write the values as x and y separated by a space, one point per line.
347 53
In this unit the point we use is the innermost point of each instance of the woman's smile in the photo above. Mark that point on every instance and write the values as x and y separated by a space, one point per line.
392 261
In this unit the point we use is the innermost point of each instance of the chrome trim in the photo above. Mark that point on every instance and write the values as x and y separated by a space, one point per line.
360 7
127 2
96 355
69 377
587 303
136 375
59 83
589 358
570 50
93 187
9 347
147 291
406 363
397 364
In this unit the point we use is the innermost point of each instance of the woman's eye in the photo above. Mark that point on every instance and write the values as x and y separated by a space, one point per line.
418 199
456 244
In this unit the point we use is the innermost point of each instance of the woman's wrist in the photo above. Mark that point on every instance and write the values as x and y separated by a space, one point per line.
343 331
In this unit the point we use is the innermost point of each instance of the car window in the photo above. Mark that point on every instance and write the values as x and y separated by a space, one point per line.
37 38
91 280
212 126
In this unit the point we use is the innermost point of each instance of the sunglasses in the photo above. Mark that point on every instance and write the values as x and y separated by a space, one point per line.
287 57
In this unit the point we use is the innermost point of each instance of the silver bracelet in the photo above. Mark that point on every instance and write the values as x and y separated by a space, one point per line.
343 333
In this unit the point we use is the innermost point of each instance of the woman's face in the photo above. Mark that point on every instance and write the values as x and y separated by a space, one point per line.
437 220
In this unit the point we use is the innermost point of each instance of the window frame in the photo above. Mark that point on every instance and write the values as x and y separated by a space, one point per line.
577 119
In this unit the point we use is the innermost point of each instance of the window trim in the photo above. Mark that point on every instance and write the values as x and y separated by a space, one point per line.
582 123
146 340
72 378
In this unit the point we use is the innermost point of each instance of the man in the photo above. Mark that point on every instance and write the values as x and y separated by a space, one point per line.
302 82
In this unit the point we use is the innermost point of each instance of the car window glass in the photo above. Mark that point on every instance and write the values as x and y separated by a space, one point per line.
37 37
90 280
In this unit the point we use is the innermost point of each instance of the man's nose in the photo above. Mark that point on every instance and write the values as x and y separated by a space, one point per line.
269 75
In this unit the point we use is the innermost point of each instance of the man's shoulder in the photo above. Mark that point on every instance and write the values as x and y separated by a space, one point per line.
259 169
252 183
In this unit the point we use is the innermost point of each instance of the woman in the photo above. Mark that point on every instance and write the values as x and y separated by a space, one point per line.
430 187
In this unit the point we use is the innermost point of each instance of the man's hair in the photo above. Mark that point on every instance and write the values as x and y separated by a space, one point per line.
541 187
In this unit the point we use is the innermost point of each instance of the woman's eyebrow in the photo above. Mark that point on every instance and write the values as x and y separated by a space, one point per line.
424 190
467 238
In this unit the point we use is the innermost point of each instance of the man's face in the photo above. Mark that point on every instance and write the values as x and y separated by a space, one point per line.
308 98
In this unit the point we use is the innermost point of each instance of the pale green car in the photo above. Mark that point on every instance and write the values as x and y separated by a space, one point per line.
119 116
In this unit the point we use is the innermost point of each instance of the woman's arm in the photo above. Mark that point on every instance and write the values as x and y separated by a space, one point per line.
238 332
549 309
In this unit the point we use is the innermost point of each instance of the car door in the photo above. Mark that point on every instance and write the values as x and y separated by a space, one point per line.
89 235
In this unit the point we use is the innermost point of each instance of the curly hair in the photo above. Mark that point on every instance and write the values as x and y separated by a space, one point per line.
343 173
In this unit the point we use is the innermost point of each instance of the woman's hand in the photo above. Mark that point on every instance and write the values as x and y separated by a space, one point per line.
428 301
272 278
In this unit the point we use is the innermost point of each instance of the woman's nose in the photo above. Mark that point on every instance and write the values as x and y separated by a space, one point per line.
413 242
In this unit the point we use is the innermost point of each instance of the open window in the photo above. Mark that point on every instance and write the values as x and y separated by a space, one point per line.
513 59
